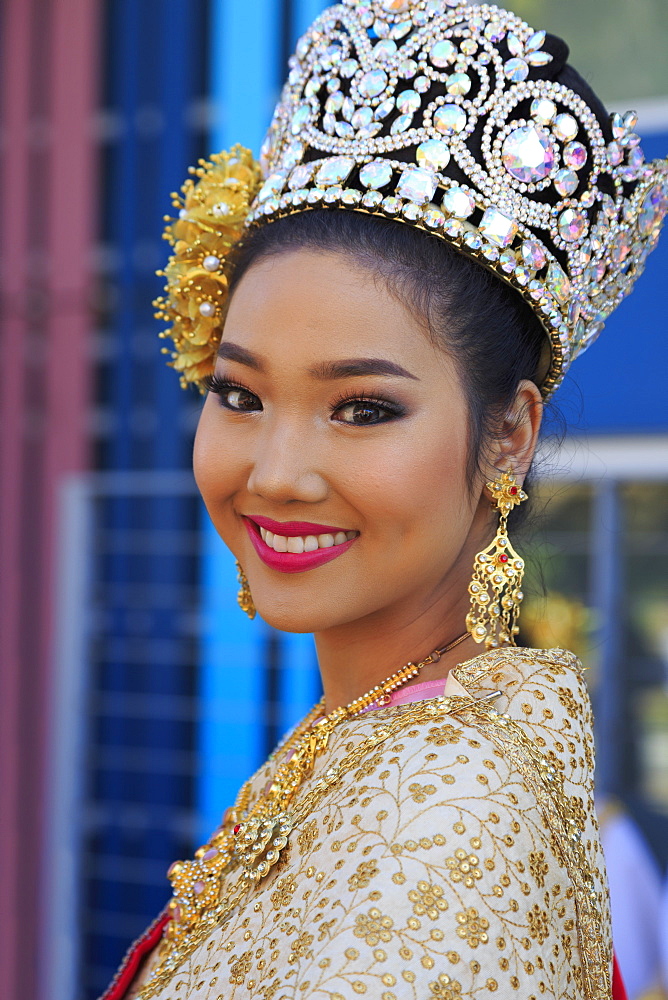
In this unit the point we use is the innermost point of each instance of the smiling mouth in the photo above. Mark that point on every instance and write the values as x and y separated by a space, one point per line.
304 543
296 546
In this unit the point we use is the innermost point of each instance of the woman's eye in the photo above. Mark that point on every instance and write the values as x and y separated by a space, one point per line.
233 397
240 399
364 411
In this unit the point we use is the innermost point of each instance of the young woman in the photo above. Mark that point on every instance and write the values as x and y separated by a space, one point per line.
444 218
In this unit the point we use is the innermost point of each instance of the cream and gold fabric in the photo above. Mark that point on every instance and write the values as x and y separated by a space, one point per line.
442 849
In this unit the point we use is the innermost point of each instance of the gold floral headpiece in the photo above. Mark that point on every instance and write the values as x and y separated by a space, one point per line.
212 213
446 117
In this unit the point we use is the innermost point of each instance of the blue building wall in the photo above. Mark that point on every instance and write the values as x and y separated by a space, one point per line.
141 636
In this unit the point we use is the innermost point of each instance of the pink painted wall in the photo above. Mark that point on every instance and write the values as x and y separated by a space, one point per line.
48 93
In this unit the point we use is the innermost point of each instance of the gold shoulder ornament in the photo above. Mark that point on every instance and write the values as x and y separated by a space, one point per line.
253 834
225 891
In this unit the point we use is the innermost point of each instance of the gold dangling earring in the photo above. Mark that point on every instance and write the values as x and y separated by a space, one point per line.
497 575
244 597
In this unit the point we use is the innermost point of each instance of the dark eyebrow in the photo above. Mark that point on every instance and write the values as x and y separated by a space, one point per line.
326 370
351 367
232 352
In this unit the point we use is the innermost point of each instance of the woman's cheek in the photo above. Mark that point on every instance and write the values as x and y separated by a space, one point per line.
202 458
216 465
413 472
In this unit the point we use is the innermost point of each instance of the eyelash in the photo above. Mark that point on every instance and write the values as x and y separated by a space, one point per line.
345 399
216 384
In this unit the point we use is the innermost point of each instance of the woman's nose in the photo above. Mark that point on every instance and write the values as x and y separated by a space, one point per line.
286 467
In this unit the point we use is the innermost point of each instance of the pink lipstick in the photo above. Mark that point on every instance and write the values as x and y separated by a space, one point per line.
294 562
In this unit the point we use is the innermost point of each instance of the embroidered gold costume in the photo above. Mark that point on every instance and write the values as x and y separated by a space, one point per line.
447 848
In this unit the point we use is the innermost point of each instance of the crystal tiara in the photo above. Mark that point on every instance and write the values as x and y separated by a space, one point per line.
446 117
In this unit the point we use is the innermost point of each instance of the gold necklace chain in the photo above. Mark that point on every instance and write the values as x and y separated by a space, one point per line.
255 836
382 693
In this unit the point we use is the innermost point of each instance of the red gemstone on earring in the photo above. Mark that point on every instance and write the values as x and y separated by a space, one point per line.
503 558
513 490
236 829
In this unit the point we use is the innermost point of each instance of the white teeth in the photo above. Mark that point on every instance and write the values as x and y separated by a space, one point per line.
308 543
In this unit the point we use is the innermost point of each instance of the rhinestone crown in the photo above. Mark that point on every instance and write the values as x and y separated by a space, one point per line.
444 116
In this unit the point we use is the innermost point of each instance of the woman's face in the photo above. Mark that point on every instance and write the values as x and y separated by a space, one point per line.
331 454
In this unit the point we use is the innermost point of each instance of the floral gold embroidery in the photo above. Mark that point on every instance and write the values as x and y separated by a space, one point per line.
420 792
578 811
464 867
240 968
446 988
538 926
566 944
373 927
325 928
282 895
538 867
300 947
427 900
366 870
568 701
440 736
472 927
307 837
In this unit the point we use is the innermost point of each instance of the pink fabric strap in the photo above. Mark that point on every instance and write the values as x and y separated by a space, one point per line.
416 692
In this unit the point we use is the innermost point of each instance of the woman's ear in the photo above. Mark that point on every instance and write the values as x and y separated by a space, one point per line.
516 441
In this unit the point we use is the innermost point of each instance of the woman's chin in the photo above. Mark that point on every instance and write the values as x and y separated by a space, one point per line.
294 619
290 620
299 615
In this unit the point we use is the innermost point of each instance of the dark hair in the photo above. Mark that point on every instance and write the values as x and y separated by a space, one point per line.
492 335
